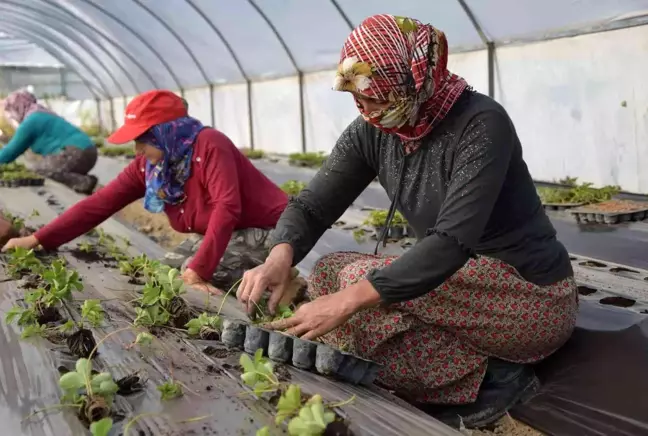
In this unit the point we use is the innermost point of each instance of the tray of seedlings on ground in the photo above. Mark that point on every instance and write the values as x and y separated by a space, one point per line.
611 212
126 151
377 221
15 174
253 154
309 159
293 187
571 194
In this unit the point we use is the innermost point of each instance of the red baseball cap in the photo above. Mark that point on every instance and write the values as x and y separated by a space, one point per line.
145 111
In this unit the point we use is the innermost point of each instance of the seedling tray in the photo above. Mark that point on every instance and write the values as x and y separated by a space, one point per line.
561 206
36 181
307 355
585 215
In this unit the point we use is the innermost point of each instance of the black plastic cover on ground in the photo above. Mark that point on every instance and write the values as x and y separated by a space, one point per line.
597 384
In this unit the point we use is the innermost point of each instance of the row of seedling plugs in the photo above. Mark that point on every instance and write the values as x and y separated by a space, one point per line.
15 174
308 417
92 393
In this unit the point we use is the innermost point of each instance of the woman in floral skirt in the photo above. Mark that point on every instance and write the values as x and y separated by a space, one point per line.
487 289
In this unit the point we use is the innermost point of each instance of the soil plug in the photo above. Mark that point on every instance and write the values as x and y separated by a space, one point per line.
81 343
256 338
180 312
48 315
304 353
280 347
131 384
233 333
328 359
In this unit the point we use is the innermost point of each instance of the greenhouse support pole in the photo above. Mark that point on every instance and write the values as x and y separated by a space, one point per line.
63 79
113 122
250 101
302 114
99 117
212 108
490 47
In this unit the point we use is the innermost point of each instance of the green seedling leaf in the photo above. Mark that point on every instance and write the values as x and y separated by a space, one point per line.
101 427
33 330
144 338
312 419
92 311
83 367
67 327
263 431
72 381
170 390
195 325
289 403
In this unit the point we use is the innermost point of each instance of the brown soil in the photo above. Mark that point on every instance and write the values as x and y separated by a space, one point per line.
154 225
506 426
618 206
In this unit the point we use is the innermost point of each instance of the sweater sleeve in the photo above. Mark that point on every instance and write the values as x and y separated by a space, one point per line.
221 178
23 138
95 209
479 170
344 175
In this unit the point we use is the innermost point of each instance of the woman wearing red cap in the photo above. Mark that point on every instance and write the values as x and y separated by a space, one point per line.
192 173
487 289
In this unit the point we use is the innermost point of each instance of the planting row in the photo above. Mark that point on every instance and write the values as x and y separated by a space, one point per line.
48 311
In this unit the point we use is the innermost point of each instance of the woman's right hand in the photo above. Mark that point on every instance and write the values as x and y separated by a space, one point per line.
273 275
27 242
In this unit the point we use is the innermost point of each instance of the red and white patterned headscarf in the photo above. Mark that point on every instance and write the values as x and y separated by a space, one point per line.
404 62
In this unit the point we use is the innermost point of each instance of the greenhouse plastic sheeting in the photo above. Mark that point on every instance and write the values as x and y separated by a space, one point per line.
128 46
593 385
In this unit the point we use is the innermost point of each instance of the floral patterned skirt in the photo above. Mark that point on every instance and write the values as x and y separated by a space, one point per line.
434 349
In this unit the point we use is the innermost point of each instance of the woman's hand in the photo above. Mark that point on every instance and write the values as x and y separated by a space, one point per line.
274 275
27 242
192 279
328 312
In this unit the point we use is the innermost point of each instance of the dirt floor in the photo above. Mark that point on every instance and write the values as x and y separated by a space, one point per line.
154 225
157 226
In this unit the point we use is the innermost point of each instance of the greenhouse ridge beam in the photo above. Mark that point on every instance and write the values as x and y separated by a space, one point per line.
239 65
141 39
178 38
106 37
31 19
56 53
490 47
300 74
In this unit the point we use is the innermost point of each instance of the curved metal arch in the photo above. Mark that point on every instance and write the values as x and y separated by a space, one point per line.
69 19
65 33
106 37
45 45
139 37
300 73
239 65
490 46
61 48
58 43
178 38
343 14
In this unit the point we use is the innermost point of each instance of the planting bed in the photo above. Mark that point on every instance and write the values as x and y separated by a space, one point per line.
150 379
612 212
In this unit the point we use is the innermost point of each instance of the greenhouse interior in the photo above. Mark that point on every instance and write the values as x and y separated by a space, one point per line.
518 166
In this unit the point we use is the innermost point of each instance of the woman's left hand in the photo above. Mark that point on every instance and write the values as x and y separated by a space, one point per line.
192 279
328 312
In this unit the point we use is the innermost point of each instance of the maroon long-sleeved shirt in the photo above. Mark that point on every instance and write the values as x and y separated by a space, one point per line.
224 192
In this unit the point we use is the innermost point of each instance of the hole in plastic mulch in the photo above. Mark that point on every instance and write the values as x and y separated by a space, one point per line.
617 301
586 290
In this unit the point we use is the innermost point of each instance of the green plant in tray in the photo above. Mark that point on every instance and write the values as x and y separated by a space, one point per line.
293 187
204 324
572 192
